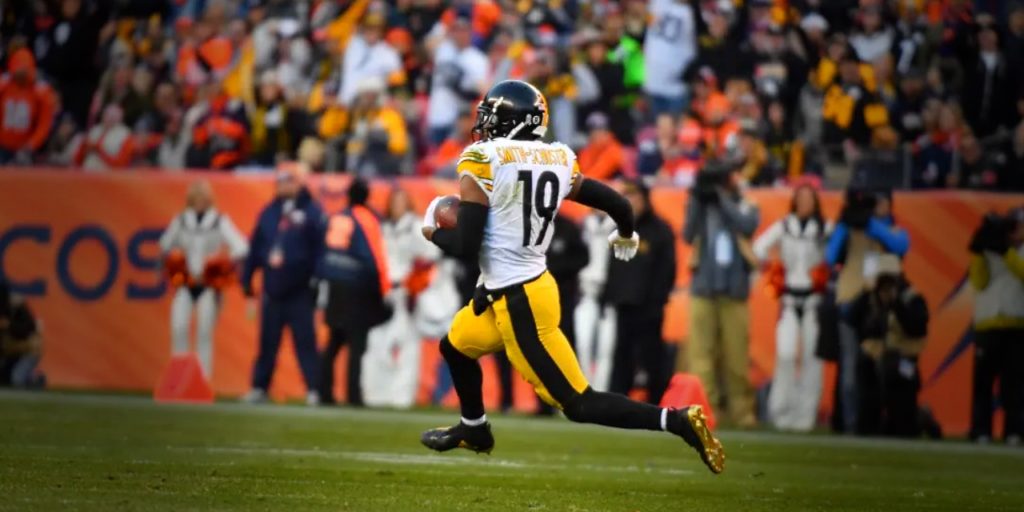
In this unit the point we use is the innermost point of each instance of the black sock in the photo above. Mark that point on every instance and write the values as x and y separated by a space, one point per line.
614 410
468 379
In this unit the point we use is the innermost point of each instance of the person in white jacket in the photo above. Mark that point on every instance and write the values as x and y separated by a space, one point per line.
800 239
422 289
201 234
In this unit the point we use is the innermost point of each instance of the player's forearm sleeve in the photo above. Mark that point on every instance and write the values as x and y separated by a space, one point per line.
465 239
595 194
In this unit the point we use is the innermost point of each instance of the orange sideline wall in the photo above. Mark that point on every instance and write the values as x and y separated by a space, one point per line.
86 243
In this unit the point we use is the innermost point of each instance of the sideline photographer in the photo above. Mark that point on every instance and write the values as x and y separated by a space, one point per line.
866 230
890 319
719 224
997 275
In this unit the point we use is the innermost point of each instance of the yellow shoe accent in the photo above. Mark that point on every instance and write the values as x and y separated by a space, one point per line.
712 452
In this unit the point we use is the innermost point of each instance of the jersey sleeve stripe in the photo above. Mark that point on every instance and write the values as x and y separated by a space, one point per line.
479 170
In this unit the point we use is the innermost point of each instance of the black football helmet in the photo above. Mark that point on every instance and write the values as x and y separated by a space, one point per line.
512 109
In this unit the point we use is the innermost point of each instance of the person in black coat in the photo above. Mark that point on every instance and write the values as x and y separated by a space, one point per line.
70 60
639 290
990 86
287 244
726 57
613 99
567 255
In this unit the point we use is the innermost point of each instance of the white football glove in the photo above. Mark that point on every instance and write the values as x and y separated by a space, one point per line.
623 248
428 218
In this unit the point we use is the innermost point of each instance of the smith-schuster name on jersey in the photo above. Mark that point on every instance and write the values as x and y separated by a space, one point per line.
525 182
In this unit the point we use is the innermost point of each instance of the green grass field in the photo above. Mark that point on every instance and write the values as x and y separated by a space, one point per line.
83 452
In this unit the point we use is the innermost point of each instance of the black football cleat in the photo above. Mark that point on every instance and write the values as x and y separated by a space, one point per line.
696 433
477 439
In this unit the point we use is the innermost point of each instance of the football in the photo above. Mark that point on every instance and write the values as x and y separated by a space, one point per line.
446 214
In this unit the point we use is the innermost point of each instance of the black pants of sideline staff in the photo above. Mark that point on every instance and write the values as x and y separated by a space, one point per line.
639 345
998 356
351 312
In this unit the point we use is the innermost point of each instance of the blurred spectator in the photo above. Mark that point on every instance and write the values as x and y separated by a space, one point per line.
851 110
673 156
356 270
890 319
220 137
934 151
669 47
639 290
627 51
368 56
442 163
719 55
1015 165
117 88
1014 47
21 343
27 109
779 71
68 52
784 152
108 145
459 76
286 245
798 276
756 168
602 158
989 84
865 231
719 224
977 169
270 139
63 144
907 112
911 46
873 38
996 273
200 248
376 137
882 166
549 74
607 76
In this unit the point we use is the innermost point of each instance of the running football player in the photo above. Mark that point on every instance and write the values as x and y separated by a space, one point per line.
511 186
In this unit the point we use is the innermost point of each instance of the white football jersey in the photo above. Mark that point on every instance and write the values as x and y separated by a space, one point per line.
525 182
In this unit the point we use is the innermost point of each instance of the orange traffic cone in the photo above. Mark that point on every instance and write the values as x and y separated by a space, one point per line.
684 390
183 381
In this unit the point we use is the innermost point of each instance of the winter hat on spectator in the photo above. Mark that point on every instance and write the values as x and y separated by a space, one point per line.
597 121
814 22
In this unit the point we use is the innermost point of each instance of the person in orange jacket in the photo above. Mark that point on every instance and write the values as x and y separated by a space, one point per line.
220 139
602 158
27 109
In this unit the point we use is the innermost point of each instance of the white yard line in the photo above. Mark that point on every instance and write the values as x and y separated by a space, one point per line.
428 459
434 418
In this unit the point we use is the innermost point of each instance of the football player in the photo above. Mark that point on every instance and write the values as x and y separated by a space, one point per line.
511 185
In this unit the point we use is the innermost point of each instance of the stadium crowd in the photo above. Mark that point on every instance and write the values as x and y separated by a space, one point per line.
921 93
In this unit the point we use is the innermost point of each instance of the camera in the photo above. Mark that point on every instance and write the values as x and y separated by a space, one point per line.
714 176
858 208
993 234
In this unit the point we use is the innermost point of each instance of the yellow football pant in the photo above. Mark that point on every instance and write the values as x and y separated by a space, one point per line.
524 321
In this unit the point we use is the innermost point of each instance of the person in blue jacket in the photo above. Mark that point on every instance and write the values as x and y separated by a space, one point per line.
287 244
356 271
866 230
